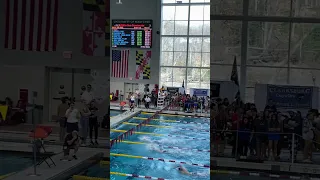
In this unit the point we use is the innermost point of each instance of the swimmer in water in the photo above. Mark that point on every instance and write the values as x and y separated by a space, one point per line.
183 170
157 148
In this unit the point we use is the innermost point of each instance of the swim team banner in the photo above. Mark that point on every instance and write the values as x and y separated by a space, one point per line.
200 92
290 96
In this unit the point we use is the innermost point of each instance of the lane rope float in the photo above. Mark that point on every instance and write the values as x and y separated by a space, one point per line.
149 125
154 134
159 159
169 147
131 131
78 177
179 115
162 114
137 176
173 121
6 175
185 129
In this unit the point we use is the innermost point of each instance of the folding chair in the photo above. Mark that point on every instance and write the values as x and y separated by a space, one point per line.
42 132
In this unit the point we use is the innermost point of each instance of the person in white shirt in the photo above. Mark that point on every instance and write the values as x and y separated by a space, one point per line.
73 116
147 101
132 102
88 95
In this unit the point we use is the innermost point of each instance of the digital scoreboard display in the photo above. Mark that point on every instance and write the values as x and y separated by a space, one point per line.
132 33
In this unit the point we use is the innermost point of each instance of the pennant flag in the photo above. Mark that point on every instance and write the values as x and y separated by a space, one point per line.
143 64
234 78
119 67
93 27
31 25
234 72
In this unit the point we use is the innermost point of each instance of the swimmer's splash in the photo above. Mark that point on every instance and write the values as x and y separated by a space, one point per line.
119 2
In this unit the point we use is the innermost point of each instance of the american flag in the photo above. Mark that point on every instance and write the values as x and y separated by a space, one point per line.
31 25
120 63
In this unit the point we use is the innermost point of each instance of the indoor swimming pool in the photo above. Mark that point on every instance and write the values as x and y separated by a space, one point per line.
157 149
11 162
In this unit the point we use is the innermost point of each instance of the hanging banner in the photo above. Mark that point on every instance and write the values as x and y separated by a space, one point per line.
215 90
173 89
292 97
200 92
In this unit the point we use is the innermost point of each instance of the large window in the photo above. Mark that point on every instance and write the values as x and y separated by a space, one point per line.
185 44
282 41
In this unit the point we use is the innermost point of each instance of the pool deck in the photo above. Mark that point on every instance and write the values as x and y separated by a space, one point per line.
53 139
85 155
275 167
116 120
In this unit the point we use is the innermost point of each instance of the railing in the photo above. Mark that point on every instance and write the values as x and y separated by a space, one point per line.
247 145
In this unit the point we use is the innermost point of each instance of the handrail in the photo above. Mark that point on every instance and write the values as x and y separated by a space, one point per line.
267 133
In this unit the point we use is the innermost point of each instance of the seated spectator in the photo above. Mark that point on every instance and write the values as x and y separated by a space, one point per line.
19 115
72 141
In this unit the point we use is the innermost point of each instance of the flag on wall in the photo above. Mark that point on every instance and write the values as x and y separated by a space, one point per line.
31 25
119 67
93 27
143 64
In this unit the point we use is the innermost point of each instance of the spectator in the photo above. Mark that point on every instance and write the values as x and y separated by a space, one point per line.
221 126
308 135
62 109
261 127
147 102
84 122
273 136
244 136
93 123
73 116
72 141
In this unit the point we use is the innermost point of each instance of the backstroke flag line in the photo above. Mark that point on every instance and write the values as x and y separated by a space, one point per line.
119 67
143 64
95 14
31 25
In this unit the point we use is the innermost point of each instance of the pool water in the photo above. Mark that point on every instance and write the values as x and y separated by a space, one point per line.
231 177
151 148
115 112
14 161
97 170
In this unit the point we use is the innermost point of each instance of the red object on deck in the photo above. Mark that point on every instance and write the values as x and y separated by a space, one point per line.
41 132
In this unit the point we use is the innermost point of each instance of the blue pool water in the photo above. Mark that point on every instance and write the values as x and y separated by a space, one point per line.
97 171
151 149
13 162
115 112
231 177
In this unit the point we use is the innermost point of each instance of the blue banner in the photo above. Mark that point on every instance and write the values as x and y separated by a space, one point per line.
293 97
200 92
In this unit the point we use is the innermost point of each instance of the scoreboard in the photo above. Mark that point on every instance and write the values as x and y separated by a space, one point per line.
132 33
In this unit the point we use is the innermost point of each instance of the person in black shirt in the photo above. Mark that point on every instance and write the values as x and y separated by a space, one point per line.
93 123
72 141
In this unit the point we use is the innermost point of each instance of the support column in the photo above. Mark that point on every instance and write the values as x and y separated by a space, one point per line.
244 50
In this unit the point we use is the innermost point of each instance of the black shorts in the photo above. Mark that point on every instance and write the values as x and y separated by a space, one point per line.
63 122
72 127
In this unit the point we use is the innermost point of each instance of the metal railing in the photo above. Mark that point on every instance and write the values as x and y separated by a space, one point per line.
227 143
